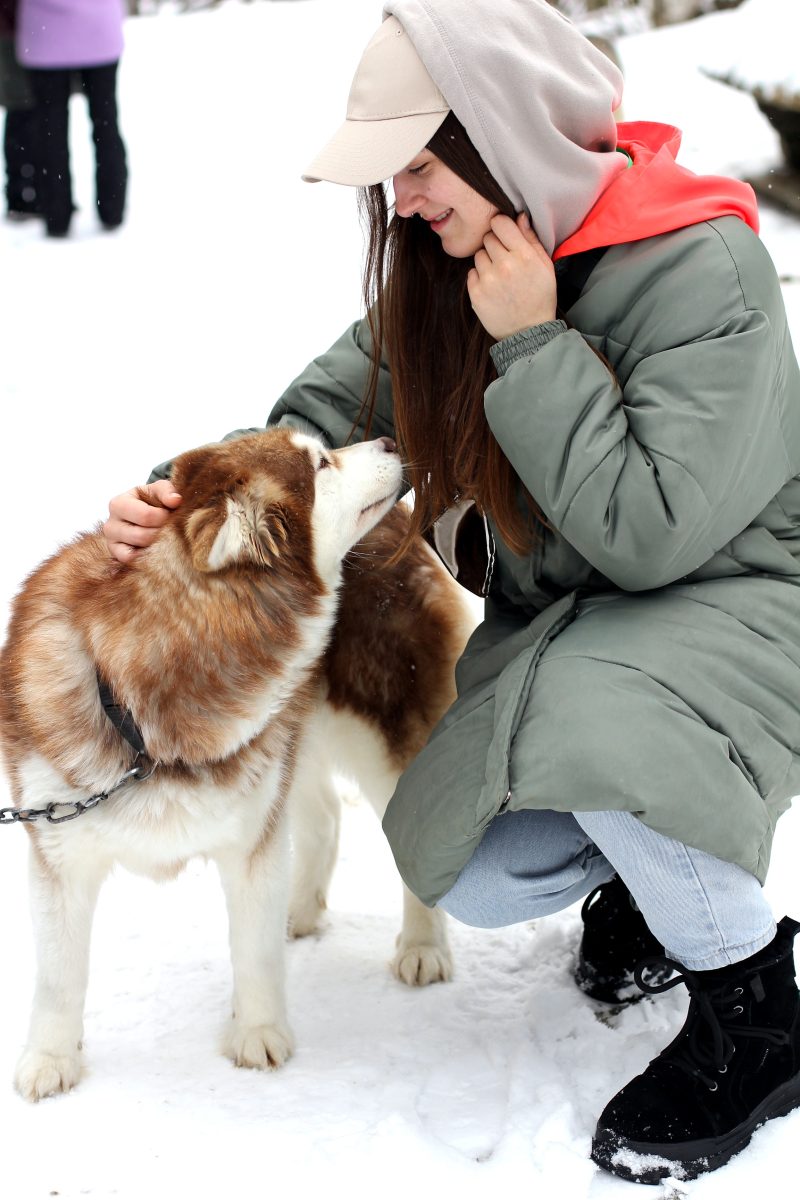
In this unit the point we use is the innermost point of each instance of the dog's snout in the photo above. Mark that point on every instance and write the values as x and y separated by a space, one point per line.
388 444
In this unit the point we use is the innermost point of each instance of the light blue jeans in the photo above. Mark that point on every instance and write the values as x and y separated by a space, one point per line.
706 913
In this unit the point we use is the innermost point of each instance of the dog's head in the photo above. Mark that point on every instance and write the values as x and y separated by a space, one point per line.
282 496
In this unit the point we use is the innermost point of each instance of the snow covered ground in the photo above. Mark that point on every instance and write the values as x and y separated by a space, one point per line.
119 350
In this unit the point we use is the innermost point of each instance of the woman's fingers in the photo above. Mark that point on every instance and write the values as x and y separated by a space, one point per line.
122 552
494 247
507 233
158 495
508 238
482 261
135 518
512 285
132 535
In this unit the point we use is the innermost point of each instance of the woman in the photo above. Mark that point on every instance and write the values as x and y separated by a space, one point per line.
61 41
585 345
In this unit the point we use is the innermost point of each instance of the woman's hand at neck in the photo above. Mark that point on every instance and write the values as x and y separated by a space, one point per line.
513 283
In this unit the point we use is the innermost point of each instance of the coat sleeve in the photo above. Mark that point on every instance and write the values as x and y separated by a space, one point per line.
649 480
326 398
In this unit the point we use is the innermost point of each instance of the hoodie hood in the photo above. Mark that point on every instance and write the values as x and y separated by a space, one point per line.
655 195
535 96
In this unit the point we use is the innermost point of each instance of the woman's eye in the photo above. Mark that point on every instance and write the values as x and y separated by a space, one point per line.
417 170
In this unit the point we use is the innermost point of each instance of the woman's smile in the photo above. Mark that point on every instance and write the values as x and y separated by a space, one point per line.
437 223
454 210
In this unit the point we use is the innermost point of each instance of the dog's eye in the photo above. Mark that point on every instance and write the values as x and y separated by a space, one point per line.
323 462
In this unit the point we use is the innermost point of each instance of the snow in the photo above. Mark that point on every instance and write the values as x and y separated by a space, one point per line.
122 349
762 63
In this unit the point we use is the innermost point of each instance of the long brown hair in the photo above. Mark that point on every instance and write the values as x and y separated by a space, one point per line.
419 312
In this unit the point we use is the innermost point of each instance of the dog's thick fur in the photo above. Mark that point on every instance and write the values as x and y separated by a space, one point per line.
220 642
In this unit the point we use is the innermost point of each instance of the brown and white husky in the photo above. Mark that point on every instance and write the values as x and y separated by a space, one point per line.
222 648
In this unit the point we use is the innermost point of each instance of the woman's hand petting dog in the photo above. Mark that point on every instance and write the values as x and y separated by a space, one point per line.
135 518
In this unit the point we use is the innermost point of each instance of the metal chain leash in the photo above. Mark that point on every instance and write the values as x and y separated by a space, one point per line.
13 816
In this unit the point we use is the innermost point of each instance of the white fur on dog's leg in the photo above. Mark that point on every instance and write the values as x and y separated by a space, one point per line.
256 888
39 1075
263 1048
423 953
314 809
62 905
305 914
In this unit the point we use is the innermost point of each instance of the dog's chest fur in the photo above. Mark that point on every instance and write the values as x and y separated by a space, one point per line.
155 828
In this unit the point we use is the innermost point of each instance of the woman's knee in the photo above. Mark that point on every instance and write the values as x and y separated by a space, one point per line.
529 864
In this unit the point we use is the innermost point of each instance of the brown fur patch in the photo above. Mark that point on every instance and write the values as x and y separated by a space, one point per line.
400 631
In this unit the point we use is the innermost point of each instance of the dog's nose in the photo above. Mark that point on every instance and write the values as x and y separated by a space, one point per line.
389 444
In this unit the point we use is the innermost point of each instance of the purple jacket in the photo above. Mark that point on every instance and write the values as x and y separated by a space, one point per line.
69 33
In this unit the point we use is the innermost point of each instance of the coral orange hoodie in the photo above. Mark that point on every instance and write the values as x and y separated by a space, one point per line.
656 195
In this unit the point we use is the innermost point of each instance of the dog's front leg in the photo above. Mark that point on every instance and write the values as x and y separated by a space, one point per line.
423 950
256 888
314 809
62 902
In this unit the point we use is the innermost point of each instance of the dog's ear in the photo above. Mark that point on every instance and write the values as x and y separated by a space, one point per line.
237 516
229 531
214 534
271 527
193 471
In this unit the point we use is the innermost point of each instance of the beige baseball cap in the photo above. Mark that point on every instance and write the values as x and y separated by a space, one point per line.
393 110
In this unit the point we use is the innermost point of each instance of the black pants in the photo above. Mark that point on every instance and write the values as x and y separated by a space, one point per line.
21 151
51 89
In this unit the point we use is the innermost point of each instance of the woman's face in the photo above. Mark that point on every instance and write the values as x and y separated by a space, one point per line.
454 210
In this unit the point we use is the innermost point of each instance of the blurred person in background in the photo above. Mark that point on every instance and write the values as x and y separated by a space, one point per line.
62 42
20 146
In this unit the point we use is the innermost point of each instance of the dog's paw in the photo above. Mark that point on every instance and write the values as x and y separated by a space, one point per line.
420 965
39 1075
262 1047
305 914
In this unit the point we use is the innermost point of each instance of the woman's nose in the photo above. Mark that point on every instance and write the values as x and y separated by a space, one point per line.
407 199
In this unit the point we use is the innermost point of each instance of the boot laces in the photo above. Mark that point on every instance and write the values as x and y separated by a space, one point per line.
710 1044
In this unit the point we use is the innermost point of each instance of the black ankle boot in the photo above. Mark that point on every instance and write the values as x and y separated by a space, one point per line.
615 938
733 1066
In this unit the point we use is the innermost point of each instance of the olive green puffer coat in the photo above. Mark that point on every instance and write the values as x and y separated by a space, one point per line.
646 655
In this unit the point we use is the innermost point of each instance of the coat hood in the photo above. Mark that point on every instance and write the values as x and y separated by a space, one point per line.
534 95
656 195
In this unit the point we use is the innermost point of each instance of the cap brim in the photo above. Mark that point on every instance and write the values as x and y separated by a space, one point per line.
361 153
